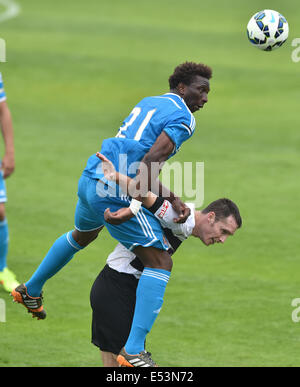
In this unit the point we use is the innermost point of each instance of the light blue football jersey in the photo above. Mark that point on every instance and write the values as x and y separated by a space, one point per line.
139 131
2 92
2 182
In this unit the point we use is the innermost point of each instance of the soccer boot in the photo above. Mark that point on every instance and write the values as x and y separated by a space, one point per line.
143 359
34 305
8 280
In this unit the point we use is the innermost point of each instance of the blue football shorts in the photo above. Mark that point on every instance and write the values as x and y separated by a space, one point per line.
3 197
94 197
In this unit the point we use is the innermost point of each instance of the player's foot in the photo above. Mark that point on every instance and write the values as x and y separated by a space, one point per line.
8 280
34 305
142 359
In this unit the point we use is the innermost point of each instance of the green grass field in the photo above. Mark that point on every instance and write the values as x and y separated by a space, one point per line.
74 71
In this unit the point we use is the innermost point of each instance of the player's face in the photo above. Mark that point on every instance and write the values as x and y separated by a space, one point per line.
195 94
218 231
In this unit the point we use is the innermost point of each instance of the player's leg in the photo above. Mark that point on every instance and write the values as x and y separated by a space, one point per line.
7 277
112 300
61 252
3 225
143 234
149 295
3 237
153 257
109 359
88 225
84 238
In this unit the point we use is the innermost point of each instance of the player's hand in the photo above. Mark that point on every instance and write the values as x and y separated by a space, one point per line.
118 217
182 210
107 167
8 165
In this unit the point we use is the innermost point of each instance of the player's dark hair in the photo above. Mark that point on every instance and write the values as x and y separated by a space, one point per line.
187 71
224 208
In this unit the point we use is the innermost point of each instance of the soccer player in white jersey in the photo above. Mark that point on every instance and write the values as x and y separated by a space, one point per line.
113 292
166 214
7 166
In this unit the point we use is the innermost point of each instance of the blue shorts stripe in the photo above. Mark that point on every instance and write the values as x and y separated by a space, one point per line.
146 221
141 224
141 230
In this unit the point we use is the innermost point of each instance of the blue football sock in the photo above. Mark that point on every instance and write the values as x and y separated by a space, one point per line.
61 252
3 244
149 300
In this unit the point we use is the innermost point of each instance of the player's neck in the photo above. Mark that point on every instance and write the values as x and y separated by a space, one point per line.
198 222
175 91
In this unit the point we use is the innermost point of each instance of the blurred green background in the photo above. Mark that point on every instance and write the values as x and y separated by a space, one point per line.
74 71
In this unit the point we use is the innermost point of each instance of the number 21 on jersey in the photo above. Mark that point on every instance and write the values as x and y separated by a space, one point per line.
134 115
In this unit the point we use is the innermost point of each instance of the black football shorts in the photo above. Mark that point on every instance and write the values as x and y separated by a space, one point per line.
112 297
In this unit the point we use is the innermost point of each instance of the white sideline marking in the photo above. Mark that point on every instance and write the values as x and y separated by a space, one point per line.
12 10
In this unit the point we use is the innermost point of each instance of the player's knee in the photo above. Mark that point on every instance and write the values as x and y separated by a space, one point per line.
158 259
85 238
2 212
165 263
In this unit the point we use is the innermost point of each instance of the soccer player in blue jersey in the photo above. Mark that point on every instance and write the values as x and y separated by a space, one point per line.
153 132
7 165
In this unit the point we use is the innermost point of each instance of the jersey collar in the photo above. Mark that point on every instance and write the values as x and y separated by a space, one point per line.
181 99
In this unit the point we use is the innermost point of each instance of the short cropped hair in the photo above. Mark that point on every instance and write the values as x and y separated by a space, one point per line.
187 71
224 208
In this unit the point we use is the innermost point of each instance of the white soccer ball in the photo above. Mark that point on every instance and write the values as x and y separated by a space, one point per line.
268 30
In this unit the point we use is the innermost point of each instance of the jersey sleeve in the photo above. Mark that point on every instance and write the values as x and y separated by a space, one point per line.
2 92
166 214
180 128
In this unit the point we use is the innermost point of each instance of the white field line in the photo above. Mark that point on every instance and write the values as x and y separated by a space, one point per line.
12 9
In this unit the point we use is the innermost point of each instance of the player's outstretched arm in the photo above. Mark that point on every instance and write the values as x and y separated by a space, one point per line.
125 182
8 161
147 177
159 153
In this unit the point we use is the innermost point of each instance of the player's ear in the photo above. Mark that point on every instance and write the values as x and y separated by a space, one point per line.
211 217
181 88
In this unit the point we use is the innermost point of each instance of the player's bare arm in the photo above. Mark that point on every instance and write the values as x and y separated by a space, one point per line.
159 153
147 177
124 181
8 160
